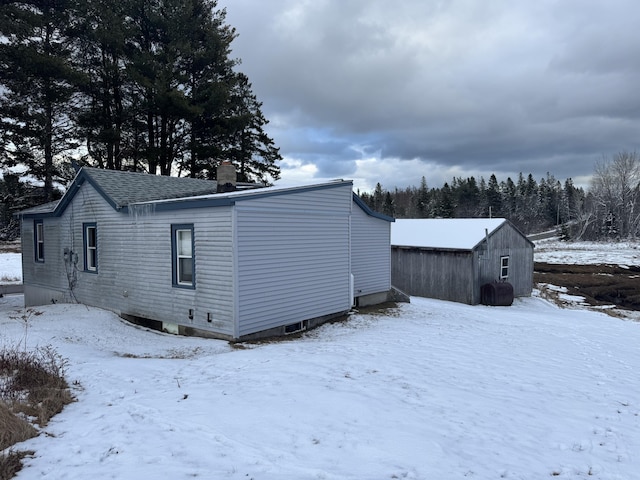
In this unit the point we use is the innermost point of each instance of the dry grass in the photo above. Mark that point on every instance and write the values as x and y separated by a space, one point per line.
11 463
13 429
34 382
32 390
8 279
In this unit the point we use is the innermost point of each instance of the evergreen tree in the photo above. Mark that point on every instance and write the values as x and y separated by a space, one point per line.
387 206
16 195
378 198
145 84
216 92
493 197
549 195
509 195
467 196
402 203
37 86
444 207
522 202
12 199
105 118
422 199
249 146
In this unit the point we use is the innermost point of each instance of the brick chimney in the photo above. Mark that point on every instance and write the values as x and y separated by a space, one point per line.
226 177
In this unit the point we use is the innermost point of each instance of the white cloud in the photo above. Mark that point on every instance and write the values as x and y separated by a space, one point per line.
442 89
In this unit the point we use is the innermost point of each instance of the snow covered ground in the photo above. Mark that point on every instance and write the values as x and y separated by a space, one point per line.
587 253
427 390
10 268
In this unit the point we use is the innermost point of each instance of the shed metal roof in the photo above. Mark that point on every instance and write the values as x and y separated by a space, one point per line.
443 233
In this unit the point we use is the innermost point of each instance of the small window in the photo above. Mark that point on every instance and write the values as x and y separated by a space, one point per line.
38 240
90 247
182 249
504 267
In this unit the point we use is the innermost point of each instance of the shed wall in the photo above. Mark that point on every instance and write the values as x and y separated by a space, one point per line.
370 253
445 275
458 275
505 241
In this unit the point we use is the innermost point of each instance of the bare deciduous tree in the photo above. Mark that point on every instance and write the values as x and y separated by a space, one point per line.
616 195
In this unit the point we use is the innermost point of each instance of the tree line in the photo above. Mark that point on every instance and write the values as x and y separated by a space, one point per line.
141 85
609 209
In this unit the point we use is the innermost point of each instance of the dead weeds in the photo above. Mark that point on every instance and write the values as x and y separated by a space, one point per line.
11 463
32 390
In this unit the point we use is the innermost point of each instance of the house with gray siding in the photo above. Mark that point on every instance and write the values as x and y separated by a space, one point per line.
451 259
192 258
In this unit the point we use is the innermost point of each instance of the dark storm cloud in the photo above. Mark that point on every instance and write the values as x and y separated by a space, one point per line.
363 89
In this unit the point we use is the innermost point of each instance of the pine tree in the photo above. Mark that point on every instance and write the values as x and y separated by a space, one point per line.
248 145
387 206
144 84
466 197
37 86
509 194
422 199
105 118
214 91
378 198
444 207
494 197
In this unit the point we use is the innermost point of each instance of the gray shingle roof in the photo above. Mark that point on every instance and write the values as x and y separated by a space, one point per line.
44 208
124 188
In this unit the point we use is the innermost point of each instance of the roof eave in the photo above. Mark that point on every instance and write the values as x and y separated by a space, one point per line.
365 208
435 249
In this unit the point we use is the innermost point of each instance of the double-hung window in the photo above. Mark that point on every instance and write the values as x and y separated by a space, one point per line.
504 268
90 240
182 253
38 240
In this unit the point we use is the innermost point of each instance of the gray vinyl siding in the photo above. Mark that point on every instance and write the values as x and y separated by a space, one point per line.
370 253
293 262
49 277
135 265
148 274
333 198
264 262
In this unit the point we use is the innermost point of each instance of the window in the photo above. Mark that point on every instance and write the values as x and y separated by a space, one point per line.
504 267
38 240
182 247
90 240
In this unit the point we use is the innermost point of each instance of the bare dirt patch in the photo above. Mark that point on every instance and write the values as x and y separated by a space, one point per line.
599 285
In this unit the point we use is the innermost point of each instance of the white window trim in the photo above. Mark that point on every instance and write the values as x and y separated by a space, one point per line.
179 273
39 241
91 261
504 267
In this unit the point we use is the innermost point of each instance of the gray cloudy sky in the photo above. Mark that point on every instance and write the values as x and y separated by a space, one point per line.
380 91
